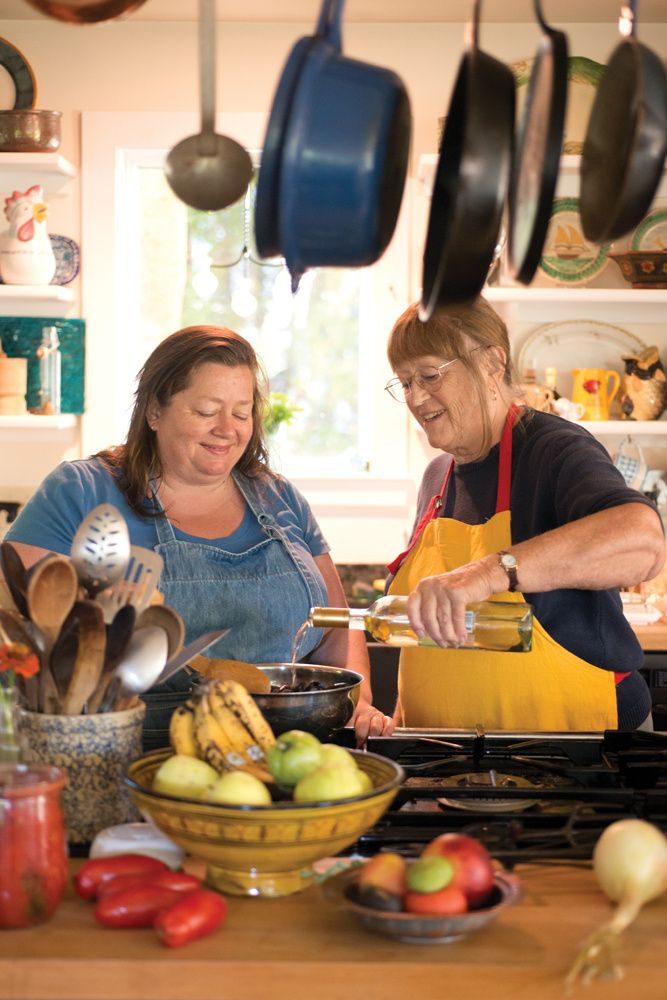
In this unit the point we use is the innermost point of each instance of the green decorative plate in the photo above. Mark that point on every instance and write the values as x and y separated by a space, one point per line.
567 256
651 234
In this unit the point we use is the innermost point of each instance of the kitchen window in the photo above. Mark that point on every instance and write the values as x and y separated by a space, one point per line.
348 452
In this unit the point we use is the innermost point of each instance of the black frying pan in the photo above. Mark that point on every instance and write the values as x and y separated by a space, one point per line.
471 179
626 139
537 148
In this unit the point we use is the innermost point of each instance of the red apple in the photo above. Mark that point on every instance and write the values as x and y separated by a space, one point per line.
444 903
473 868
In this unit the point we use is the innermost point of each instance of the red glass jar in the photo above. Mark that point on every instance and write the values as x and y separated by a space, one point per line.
33 848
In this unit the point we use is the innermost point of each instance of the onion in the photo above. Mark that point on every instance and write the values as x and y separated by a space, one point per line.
630 862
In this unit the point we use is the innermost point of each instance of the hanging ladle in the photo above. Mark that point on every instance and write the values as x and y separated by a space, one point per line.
208 171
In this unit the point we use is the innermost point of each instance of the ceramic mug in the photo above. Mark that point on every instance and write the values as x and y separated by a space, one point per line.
592 390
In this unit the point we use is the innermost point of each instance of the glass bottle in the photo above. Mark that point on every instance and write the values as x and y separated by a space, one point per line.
494 625
49 370
550 377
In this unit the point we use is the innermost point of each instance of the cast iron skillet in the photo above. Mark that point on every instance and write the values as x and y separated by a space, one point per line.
471 179
537 148
626 139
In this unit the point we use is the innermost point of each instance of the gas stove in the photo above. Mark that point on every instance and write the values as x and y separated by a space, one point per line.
526 796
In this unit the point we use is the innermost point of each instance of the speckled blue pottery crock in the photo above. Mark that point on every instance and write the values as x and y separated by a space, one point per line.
94 750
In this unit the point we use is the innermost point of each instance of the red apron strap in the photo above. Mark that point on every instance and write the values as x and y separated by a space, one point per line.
433 507
505 462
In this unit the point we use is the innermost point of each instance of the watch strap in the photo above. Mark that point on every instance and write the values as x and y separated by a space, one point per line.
511 570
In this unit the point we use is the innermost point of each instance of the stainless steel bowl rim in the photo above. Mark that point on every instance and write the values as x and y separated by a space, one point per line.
355 679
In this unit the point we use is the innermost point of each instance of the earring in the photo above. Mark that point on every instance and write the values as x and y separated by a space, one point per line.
495 395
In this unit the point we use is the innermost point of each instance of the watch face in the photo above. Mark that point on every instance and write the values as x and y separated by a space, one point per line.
509 561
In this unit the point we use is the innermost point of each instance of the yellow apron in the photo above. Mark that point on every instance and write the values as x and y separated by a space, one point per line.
547 689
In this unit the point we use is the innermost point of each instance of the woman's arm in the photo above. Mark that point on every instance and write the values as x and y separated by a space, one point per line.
30 554
347 648
619 547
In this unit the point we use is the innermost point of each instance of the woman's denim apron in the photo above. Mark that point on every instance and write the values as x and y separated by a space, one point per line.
263 595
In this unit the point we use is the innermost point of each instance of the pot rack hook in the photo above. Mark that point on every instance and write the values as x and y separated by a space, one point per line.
626 22
471 32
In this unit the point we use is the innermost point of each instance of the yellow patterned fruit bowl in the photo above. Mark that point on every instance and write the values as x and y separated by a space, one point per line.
263 850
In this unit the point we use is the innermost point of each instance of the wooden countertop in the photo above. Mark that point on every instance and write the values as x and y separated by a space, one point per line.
304 948
652 638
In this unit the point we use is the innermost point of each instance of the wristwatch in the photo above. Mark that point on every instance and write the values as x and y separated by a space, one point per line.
509 564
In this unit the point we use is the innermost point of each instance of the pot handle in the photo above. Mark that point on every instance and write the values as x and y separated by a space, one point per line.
626 22
471 33
329 23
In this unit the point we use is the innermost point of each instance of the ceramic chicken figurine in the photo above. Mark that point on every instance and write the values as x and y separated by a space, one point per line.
644 389
26 253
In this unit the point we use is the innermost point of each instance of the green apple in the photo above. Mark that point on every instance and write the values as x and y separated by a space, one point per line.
430 874
334 754
292 756
240 789
328 783
184 776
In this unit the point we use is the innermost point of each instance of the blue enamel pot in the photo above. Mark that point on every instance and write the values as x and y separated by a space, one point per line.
344 157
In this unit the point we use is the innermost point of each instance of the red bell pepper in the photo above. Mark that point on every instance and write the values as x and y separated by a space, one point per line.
135 907
178 881
195 915
99 870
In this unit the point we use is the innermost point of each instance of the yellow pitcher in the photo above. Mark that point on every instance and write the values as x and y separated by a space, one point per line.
593 391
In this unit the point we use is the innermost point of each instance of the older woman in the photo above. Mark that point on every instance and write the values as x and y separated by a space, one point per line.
520 505
240 544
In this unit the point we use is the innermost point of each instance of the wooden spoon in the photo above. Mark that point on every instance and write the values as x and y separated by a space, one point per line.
14 573
253 679
52 590
90 656
119 633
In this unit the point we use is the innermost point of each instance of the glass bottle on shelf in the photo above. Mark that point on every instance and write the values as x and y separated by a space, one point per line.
550 378
501 626
48 353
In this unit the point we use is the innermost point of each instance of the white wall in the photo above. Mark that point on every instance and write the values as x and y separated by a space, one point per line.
144 66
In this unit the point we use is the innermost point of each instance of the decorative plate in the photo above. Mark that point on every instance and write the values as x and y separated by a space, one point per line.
67 256
21 73
583 77
577 343
567 256
651 234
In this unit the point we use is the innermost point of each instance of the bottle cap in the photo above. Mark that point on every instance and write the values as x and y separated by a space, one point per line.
329 617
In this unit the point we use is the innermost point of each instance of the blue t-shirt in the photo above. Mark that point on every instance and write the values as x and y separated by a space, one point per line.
51 517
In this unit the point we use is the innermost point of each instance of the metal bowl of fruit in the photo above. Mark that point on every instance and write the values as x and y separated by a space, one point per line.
263 850
305 696
345 890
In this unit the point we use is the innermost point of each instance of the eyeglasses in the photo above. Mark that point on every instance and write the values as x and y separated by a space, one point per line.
428 378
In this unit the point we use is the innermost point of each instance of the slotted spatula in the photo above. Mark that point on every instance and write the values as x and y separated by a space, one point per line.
141 580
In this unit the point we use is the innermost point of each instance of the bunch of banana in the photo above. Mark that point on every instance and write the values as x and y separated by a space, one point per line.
222 725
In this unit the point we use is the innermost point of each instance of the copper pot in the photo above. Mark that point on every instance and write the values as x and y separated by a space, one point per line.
29 131
86 11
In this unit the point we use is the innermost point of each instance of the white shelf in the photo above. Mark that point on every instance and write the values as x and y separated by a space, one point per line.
609 305
623 428
32 427
35 300
51 170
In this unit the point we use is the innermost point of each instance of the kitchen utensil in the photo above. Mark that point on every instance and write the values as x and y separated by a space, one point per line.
176 663
18 629
168 619
29 131
267 195
100 549
208 171
13 571
626 139
592 389
253 679
89 658
266 850
52 590
63 658
537 148
142 663
86 11
119 633
345 157
320 711
140 582
471 180
633 469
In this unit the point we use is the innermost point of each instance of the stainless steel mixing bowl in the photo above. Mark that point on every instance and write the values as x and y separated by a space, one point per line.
320 712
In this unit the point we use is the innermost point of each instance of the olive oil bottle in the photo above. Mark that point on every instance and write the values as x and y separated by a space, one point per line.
501 626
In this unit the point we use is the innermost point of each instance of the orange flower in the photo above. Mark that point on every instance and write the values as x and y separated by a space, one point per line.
18 657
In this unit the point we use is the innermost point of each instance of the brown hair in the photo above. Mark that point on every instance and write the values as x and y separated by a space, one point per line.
166 372
454 332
